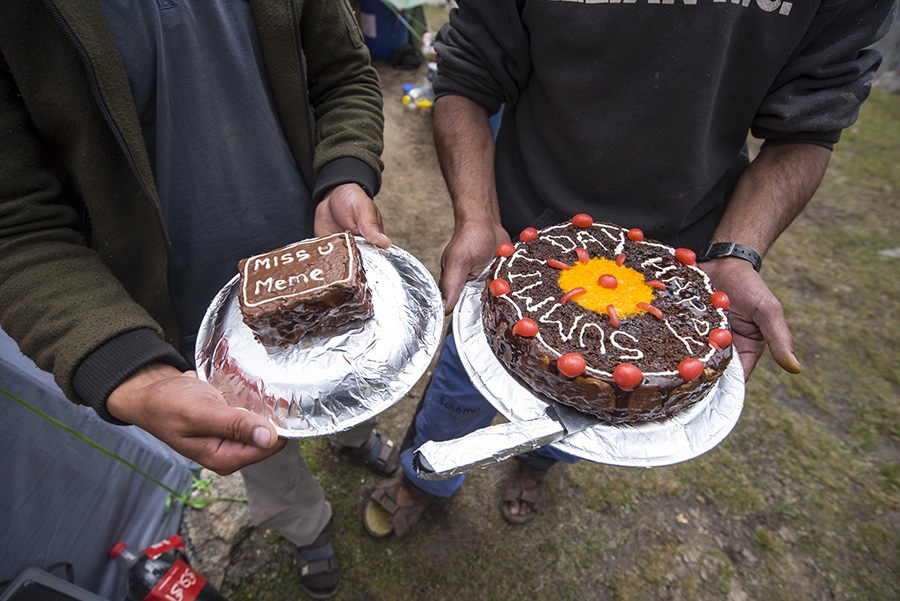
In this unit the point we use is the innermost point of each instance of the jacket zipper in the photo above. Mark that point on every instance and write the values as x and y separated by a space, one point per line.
309 114
104 111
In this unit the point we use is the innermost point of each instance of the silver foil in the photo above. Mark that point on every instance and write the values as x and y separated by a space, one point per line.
334 379
688 434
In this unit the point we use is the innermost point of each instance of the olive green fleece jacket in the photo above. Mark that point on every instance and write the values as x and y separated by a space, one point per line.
83 249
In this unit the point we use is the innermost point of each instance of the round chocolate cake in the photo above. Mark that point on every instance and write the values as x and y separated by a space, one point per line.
594 316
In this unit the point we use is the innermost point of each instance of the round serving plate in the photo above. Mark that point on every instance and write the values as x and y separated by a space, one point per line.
688 434
332 379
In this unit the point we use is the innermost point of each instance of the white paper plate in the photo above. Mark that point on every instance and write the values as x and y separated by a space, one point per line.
688 434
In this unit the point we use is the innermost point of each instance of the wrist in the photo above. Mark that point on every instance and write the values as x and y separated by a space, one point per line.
720 250
123 403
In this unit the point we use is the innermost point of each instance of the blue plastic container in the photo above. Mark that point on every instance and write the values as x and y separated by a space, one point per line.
382 30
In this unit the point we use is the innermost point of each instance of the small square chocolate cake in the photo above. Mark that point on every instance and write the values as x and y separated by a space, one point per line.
317 283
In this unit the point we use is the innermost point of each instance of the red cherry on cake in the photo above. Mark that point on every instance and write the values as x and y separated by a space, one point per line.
582 220
499 287
506 249
528 234
627 376
636 234
620 260
608 281
686 256
557 264
526 328
571 294
720 338
613 317
720 300
690 369
654 311
571 364
583 256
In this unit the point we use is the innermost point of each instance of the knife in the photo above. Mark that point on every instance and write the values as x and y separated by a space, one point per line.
441 460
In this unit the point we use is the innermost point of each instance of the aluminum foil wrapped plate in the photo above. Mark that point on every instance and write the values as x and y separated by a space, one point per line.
333 379
685 436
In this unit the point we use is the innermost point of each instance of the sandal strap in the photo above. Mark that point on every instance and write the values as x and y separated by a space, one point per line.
386 496
319 566
402 517
380 452
534 496
312 554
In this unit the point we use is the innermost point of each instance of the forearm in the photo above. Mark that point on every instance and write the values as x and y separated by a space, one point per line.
771 193
465 148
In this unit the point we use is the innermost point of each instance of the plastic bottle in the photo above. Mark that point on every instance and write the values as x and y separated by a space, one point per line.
418 97
161 572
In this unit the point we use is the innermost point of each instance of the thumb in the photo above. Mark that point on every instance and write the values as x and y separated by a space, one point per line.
252 429
451 284
786 360
374 234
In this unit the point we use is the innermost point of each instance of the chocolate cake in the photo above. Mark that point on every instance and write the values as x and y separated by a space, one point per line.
317 283
594 316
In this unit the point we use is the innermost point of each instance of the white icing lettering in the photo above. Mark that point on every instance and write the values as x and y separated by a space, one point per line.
270 284
685 340
601 336
636 354
657 269
701 326
326 250
266 285
565 336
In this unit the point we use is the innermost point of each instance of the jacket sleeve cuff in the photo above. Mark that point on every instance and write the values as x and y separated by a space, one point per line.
115 361
347 170
826 139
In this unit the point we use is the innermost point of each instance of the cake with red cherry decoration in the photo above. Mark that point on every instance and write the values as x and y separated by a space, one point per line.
595 316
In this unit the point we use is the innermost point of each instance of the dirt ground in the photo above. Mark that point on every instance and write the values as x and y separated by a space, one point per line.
413 200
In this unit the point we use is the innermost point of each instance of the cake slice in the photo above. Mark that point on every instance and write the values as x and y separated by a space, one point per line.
317 283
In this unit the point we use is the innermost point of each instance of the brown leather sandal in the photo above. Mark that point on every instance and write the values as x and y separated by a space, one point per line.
514 490
317 566
380 455
384 513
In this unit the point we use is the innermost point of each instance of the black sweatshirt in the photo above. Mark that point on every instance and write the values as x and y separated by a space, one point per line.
637 112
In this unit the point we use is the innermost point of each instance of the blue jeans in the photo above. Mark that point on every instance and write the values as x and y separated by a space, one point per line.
451 408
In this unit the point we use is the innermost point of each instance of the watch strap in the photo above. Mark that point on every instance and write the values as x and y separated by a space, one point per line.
730 249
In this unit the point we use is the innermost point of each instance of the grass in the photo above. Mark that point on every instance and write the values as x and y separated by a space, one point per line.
801 501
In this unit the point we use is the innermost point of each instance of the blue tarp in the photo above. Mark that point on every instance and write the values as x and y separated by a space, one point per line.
62 500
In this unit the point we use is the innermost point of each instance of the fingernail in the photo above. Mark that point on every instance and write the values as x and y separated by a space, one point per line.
261 437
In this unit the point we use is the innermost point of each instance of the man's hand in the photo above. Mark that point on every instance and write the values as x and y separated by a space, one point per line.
756 315
193 418
472 247
348 207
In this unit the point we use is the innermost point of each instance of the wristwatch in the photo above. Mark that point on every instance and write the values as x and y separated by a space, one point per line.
730 249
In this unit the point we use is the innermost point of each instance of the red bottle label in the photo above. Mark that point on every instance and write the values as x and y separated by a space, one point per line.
173 542
180 583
